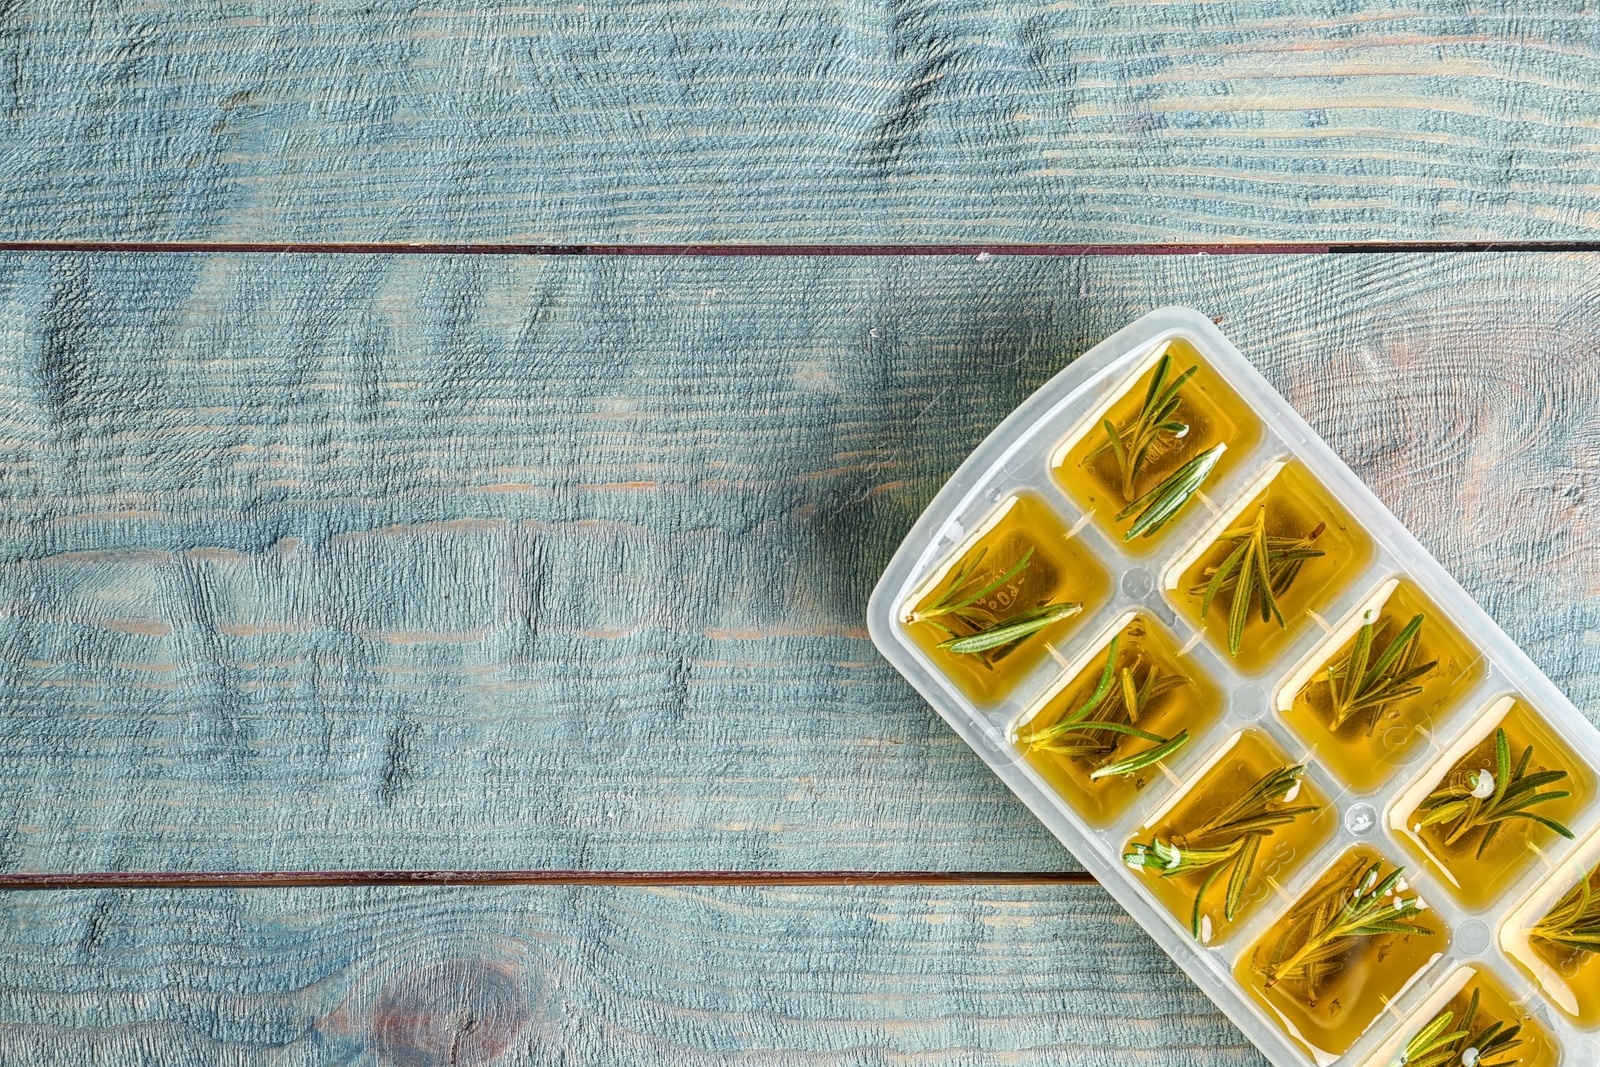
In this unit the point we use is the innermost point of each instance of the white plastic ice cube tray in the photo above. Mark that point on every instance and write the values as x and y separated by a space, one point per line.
1016 457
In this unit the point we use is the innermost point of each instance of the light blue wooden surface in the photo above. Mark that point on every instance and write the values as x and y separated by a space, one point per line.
841 976
856 121
322 563
329 563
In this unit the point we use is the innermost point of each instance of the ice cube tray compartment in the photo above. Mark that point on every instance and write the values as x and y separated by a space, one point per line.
1096 477
1134 675
1567 979
1478 865
1038 482
1476 999
1328 1010
1333 711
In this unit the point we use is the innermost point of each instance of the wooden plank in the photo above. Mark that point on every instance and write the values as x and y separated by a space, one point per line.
322 563
591 976
413 877
812 121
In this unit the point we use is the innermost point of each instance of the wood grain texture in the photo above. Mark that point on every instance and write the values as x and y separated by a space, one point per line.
327 563
412 877
590 976
864 120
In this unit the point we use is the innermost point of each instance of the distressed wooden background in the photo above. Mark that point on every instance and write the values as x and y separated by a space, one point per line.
332 563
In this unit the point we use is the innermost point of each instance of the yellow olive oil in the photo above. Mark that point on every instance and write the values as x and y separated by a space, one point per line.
1535 1047
1353 987
1215 415
1297 507
1058 570
1569 976
1495 1005
1478 877
1182 699
1245 760
1369 744
1579 973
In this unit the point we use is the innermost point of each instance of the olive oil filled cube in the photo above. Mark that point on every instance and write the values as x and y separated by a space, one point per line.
1106 480
1197 858
1135 680
1363 708
1319 976
1482 1016
1486 833
1025 565
1579 974
1308 545
1561 951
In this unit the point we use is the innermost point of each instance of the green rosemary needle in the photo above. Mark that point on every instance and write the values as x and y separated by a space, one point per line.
1443 1044
963 592
1487 801
1131 445
1013 629
1574 923
1096 727
1165 500
1360 905
1259 568
1360 685
1226 844
962 599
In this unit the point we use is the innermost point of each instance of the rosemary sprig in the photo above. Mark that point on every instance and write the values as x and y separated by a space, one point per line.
1226 844
1174 491
1574 923
1484 800
1131 445
1361 905
1360 685
962 600
963 592
1013 629
1260 569
1443 1043
1095 728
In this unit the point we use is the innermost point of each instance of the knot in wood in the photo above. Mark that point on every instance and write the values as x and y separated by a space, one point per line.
458 1013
